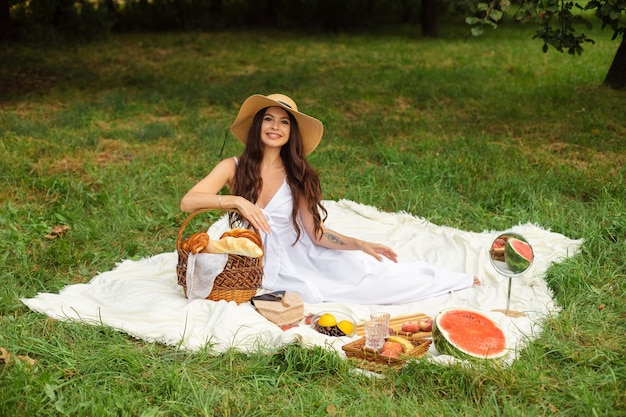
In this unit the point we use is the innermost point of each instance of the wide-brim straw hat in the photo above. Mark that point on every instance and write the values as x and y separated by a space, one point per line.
311 129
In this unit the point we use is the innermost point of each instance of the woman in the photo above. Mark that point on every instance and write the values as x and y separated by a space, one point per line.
274 187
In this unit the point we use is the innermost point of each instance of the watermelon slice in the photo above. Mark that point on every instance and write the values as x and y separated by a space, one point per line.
518 255
467 333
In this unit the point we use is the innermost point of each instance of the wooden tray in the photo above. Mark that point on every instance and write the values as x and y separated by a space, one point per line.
396 324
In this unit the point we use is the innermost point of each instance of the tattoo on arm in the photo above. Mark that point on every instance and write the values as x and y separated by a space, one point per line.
334 239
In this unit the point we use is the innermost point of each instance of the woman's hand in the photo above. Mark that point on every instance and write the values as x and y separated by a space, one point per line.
378 250
254 214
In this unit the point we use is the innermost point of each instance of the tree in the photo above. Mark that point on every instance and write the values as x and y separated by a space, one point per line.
5 20
558 20
430 18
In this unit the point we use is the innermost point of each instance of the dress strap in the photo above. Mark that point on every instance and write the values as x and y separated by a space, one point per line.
236 160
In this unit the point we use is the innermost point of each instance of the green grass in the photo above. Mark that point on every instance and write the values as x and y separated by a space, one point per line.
478 133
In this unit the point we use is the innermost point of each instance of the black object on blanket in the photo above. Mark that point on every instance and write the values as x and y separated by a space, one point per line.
271 296
280 307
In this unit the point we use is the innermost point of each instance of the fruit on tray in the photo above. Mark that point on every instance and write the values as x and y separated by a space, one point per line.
405 343
410 326
426 325
392 346
422 325
468 333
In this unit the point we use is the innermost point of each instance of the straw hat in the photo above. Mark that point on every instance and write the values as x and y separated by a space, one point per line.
311 129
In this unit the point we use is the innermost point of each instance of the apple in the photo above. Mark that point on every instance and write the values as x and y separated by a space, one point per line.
410 327
426 325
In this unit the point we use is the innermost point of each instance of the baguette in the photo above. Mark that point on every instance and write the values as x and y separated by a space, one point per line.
236 246
247 233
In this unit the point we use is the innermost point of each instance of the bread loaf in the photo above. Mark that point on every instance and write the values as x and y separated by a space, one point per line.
247 233
235 245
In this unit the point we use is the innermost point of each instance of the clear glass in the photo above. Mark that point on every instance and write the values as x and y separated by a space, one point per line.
381 318
375 335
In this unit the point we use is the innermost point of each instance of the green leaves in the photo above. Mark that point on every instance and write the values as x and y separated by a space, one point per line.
559 20
492 13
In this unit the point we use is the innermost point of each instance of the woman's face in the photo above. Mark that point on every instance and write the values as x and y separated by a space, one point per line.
275 128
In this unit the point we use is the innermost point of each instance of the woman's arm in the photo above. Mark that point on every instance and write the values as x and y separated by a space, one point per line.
334 240
204 195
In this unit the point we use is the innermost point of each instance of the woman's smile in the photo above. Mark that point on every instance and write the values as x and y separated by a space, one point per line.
276 127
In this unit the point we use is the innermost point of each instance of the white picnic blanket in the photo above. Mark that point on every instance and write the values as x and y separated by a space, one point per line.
142 297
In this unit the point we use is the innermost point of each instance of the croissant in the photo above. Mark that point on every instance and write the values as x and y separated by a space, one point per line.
235 246
247 233
198 242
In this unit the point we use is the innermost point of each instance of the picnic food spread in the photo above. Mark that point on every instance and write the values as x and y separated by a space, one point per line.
406 340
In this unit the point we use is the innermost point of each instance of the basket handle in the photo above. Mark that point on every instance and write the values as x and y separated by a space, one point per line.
179 239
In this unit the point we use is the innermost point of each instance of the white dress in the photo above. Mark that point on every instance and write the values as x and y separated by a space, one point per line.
320 274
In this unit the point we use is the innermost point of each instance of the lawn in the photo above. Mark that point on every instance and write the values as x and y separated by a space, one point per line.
473 133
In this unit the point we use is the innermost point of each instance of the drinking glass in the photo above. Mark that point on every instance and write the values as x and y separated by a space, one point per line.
381 318
375 335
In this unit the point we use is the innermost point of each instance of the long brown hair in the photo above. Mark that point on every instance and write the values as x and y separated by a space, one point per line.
302 178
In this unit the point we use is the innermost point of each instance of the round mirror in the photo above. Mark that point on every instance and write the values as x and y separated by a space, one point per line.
511 254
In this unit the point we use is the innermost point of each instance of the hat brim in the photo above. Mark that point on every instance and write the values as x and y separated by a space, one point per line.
311 129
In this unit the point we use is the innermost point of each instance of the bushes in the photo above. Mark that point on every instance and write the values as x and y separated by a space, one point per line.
87 19
65 19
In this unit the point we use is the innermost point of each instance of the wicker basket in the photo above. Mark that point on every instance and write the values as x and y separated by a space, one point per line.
239 281
372 361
